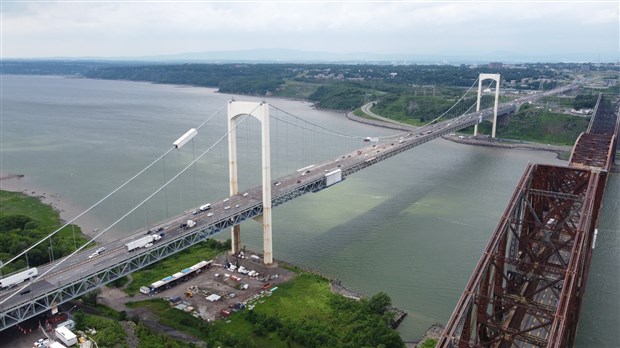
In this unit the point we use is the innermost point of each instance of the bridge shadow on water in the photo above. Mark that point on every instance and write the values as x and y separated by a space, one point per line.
331 243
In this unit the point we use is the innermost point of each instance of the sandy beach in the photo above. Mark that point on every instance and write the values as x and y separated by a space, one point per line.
24 184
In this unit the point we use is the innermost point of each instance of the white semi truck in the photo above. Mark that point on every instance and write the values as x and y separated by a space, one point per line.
18 277
141 242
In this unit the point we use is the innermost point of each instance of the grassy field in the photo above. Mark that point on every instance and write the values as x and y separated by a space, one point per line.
308 295
204 251
301 312
542 126
234 330
17 203
24 220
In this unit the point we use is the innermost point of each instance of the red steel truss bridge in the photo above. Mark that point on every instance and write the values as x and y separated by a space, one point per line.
528 287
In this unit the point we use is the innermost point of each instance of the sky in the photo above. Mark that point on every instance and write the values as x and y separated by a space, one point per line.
108 29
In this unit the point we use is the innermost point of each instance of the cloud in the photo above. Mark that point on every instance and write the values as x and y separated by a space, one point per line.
138 28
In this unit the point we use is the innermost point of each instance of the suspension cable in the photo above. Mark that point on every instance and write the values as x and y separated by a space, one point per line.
100 201
134 208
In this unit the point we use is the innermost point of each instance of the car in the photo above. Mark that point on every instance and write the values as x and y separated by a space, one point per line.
227 207
95 254
236 205
210 214
160 229
148 245
277 183
245 194
100 250
195 212
226 199
149 232
41 343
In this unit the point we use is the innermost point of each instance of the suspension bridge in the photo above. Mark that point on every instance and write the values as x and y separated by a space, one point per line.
64 279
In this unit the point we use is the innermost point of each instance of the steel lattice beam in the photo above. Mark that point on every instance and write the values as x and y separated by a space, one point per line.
543 242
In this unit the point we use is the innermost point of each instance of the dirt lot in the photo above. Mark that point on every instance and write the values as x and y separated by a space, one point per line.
227 284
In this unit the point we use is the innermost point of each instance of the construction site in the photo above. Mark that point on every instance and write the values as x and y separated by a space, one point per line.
228 284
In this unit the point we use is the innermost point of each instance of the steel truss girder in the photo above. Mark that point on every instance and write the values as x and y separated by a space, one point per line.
552 212
494 305
592 150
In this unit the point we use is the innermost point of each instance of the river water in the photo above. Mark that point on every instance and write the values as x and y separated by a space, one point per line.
413 226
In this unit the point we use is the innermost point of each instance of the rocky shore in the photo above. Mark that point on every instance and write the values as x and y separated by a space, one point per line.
508 144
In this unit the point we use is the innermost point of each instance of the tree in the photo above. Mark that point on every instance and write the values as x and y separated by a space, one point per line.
380 303
78 318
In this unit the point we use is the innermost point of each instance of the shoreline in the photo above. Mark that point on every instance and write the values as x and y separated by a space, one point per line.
23 184
500 143
470 140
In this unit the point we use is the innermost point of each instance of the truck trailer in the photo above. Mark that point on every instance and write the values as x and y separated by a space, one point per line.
18 277
139 243
333 177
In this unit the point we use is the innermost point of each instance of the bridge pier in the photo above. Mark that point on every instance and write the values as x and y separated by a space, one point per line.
235 234
260 111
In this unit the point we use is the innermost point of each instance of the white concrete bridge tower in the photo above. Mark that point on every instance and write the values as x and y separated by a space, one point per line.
496 78
260 111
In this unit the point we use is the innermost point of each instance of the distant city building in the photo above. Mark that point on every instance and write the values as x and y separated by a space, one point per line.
495 65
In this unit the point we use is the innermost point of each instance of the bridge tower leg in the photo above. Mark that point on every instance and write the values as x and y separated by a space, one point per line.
260 111
496 78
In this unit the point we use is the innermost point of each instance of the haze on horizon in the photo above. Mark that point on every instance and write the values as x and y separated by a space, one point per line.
564 30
